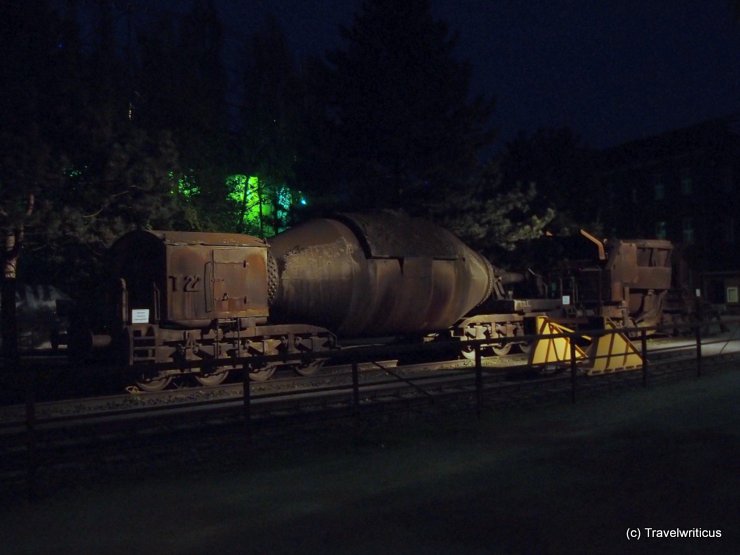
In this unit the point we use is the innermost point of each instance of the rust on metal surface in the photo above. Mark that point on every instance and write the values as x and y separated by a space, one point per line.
186 278
628 282
368 275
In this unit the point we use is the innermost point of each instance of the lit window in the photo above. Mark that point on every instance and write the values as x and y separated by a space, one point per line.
661 230
732 295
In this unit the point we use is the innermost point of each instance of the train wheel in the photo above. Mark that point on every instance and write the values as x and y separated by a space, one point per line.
309 368
211 378
502 349
153 383
468 352
262 374
525 347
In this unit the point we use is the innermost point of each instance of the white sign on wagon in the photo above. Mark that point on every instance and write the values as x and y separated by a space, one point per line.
140 316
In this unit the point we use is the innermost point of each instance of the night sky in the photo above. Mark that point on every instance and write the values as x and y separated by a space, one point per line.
613 70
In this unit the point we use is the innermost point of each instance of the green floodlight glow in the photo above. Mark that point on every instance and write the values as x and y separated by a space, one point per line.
245 192
186 185
263 207
242 188
284 198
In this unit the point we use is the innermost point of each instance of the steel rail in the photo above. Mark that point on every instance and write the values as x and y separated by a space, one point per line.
155 415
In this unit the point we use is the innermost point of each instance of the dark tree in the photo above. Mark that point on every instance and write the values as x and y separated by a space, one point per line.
31 60
112 176
270 123
182 91
68 143
492 216
561 168
404 126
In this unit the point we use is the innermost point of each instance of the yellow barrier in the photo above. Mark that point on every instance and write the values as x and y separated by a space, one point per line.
612 352
552 350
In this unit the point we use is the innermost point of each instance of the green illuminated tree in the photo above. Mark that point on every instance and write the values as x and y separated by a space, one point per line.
262 213
405 129
245 193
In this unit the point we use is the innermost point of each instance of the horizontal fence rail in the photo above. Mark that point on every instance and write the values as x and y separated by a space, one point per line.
360 385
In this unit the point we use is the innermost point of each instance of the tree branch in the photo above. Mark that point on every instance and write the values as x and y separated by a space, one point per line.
31 203
106 205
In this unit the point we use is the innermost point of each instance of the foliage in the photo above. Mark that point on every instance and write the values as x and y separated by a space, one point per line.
109 136
262 213
399 112
93 174
28 67
561 168
126 184
182 90
271 130
490 216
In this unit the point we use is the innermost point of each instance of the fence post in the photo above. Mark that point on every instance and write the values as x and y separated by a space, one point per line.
32 462
572 368
355 388
698 350
247 402
643 348
478 380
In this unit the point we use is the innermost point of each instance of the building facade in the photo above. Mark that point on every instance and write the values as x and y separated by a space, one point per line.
684 186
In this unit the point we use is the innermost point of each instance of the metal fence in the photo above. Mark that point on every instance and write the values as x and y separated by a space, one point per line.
352 396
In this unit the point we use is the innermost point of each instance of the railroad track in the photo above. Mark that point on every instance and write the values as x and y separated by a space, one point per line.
332 381
64 433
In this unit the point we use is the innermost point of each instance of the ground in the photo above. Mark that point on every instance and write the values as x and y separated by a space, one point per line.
552 479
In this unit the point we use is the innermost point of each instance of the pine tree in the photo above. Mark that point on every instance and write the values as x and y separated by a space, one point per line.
561 168
182 91
67 142
405 129
270 123
30 39
492 216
